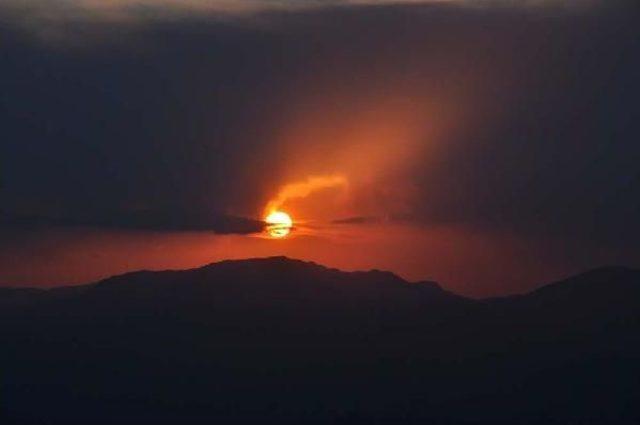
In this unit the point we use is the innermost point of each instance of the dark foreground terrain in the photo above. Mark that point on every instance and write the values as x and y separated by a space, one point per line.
283 341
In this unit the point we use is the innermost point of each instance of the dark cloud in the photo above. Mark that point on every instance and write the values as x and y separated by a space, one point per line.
169 221
187 114
560 157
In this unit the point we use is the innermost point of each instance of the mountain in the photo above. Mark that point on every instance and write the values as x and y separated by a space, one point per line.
277 340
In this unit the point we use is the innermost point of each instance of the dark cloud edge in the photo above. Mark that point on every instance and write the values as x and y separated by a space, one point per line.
144 220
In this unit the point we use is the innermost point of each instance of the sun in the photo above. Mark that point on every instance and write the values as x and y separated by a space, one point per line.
279 224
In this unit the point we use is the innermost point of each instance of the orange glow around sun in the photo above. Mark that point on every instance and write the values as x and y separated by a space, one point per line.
279 224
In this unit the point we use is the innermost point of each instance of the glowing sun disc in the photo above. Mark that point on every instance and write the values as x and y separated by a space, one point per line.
279 224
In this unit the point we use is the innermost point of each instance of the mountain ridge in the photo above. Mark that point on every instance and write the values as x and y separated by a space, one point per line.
275 340
291 264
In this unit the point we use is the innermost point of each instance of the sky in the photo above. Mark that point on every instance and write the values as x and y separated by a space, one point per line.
491 146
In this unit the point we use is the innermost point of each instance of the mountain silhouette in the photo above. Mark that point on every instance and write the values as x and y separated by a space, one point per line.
277 340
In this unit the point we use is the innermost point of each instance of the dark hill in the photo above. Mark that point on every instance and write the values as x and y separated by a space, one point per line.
277 340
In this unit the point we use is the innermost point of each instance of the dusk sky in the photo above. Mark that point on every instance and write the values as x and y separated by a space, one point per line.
488 145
